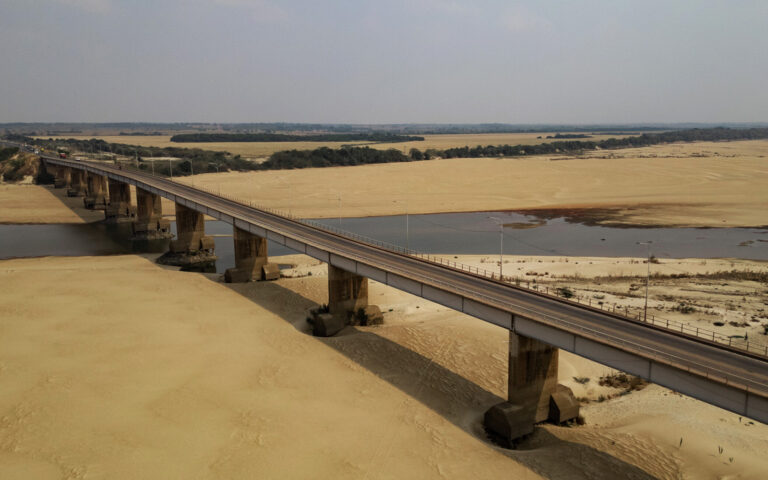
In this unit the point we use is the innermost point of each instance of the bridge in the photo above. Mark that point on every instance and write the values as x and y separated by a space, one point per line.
711 370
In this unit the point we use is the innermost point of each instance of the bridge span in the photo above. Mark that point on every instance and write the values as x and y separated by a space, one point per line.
539 324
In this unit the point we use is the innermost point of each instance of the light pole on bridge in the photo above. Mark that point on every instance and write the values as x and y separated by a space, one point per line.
500 223
407 224
647 278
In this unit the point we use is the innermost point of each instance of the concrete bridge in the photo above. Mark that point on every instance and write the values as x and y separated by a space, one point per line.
538 324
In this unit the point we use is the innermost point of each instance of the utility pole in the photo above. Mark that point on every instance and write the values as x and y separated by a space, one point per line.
647 278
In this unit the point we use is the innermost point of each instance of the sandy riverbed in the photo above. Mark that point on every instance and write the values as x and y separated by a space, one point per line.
171 374
697 184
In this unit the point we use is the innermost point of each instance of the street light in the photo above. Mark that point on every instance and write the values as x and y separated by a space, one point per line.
407 224
647 278
339 209
500 223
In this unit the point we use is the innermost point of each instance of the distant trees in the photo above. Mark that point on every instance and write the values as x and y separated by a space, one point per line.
574 146
327 157
282 137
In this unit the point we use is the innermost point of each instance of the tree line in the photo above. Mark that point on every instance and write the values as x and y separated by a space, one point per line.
284 137
195 160
575 147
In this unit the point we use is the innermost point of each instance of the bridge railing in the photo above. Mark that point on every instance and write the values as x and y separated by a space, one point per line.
631 313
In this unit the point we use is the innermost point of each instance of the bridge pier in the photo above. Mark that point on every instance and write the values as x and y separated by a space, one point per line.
119 208
251 261
347 298
95 198
63 176
77 183
533 392
192 245
150 224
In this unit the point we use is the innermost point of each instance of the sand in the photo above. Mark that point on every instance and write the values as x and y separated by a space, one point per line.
695 185
166 374
27 203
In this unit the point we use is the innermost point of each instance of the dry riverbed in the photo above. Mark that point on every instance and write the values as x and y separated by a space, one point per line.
171 374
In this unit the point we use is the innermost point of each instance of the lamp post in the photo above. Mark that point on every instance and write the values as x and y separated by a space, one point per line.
407 224
339 209
647 278
500 223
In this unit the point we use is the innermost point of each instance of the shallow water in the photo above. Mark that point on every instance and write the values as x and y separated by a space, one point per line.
457 233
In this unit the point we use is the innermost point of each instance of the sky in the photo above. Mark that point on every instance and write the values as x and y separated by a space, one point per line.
409 61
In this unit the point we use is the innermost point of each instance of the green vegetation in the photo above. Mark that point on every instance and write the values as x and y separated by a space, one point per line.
565 292
6 153
327 157
575 147
10 166
563 136
282 137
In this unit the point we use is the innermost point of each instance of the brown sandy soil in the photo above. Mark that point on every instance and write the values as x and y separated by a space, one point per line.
264 149
700 184
166 374
27 203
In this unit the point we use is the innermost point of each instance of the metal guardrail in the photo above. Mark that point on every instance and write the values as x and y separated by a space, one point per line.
756 348
751 347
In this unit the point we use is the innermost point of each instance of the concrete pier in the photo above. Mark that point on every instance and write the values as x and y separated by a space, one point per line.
63 177
192 245
150 224
77 183
347 292
533 393
347 298
251 261
95 194
119 208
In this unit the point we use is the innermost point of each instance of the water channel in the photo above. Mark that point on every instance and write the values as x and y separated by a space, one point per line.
446 233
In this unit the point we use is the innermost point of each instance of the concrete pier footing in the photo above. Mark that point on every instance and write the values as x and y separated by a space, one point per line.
77 183
251 260
533 393
119 208
150 224
95 193
63 176
192 245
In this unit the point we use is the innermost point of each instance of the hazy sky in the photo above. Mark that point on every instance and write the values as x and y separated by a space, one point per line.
356 61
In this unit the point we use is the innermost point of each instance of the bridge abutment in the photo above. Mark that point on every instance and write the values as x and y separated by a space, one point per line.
76 183
533 392
95 198
251 260
192 245
119 208
150 224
